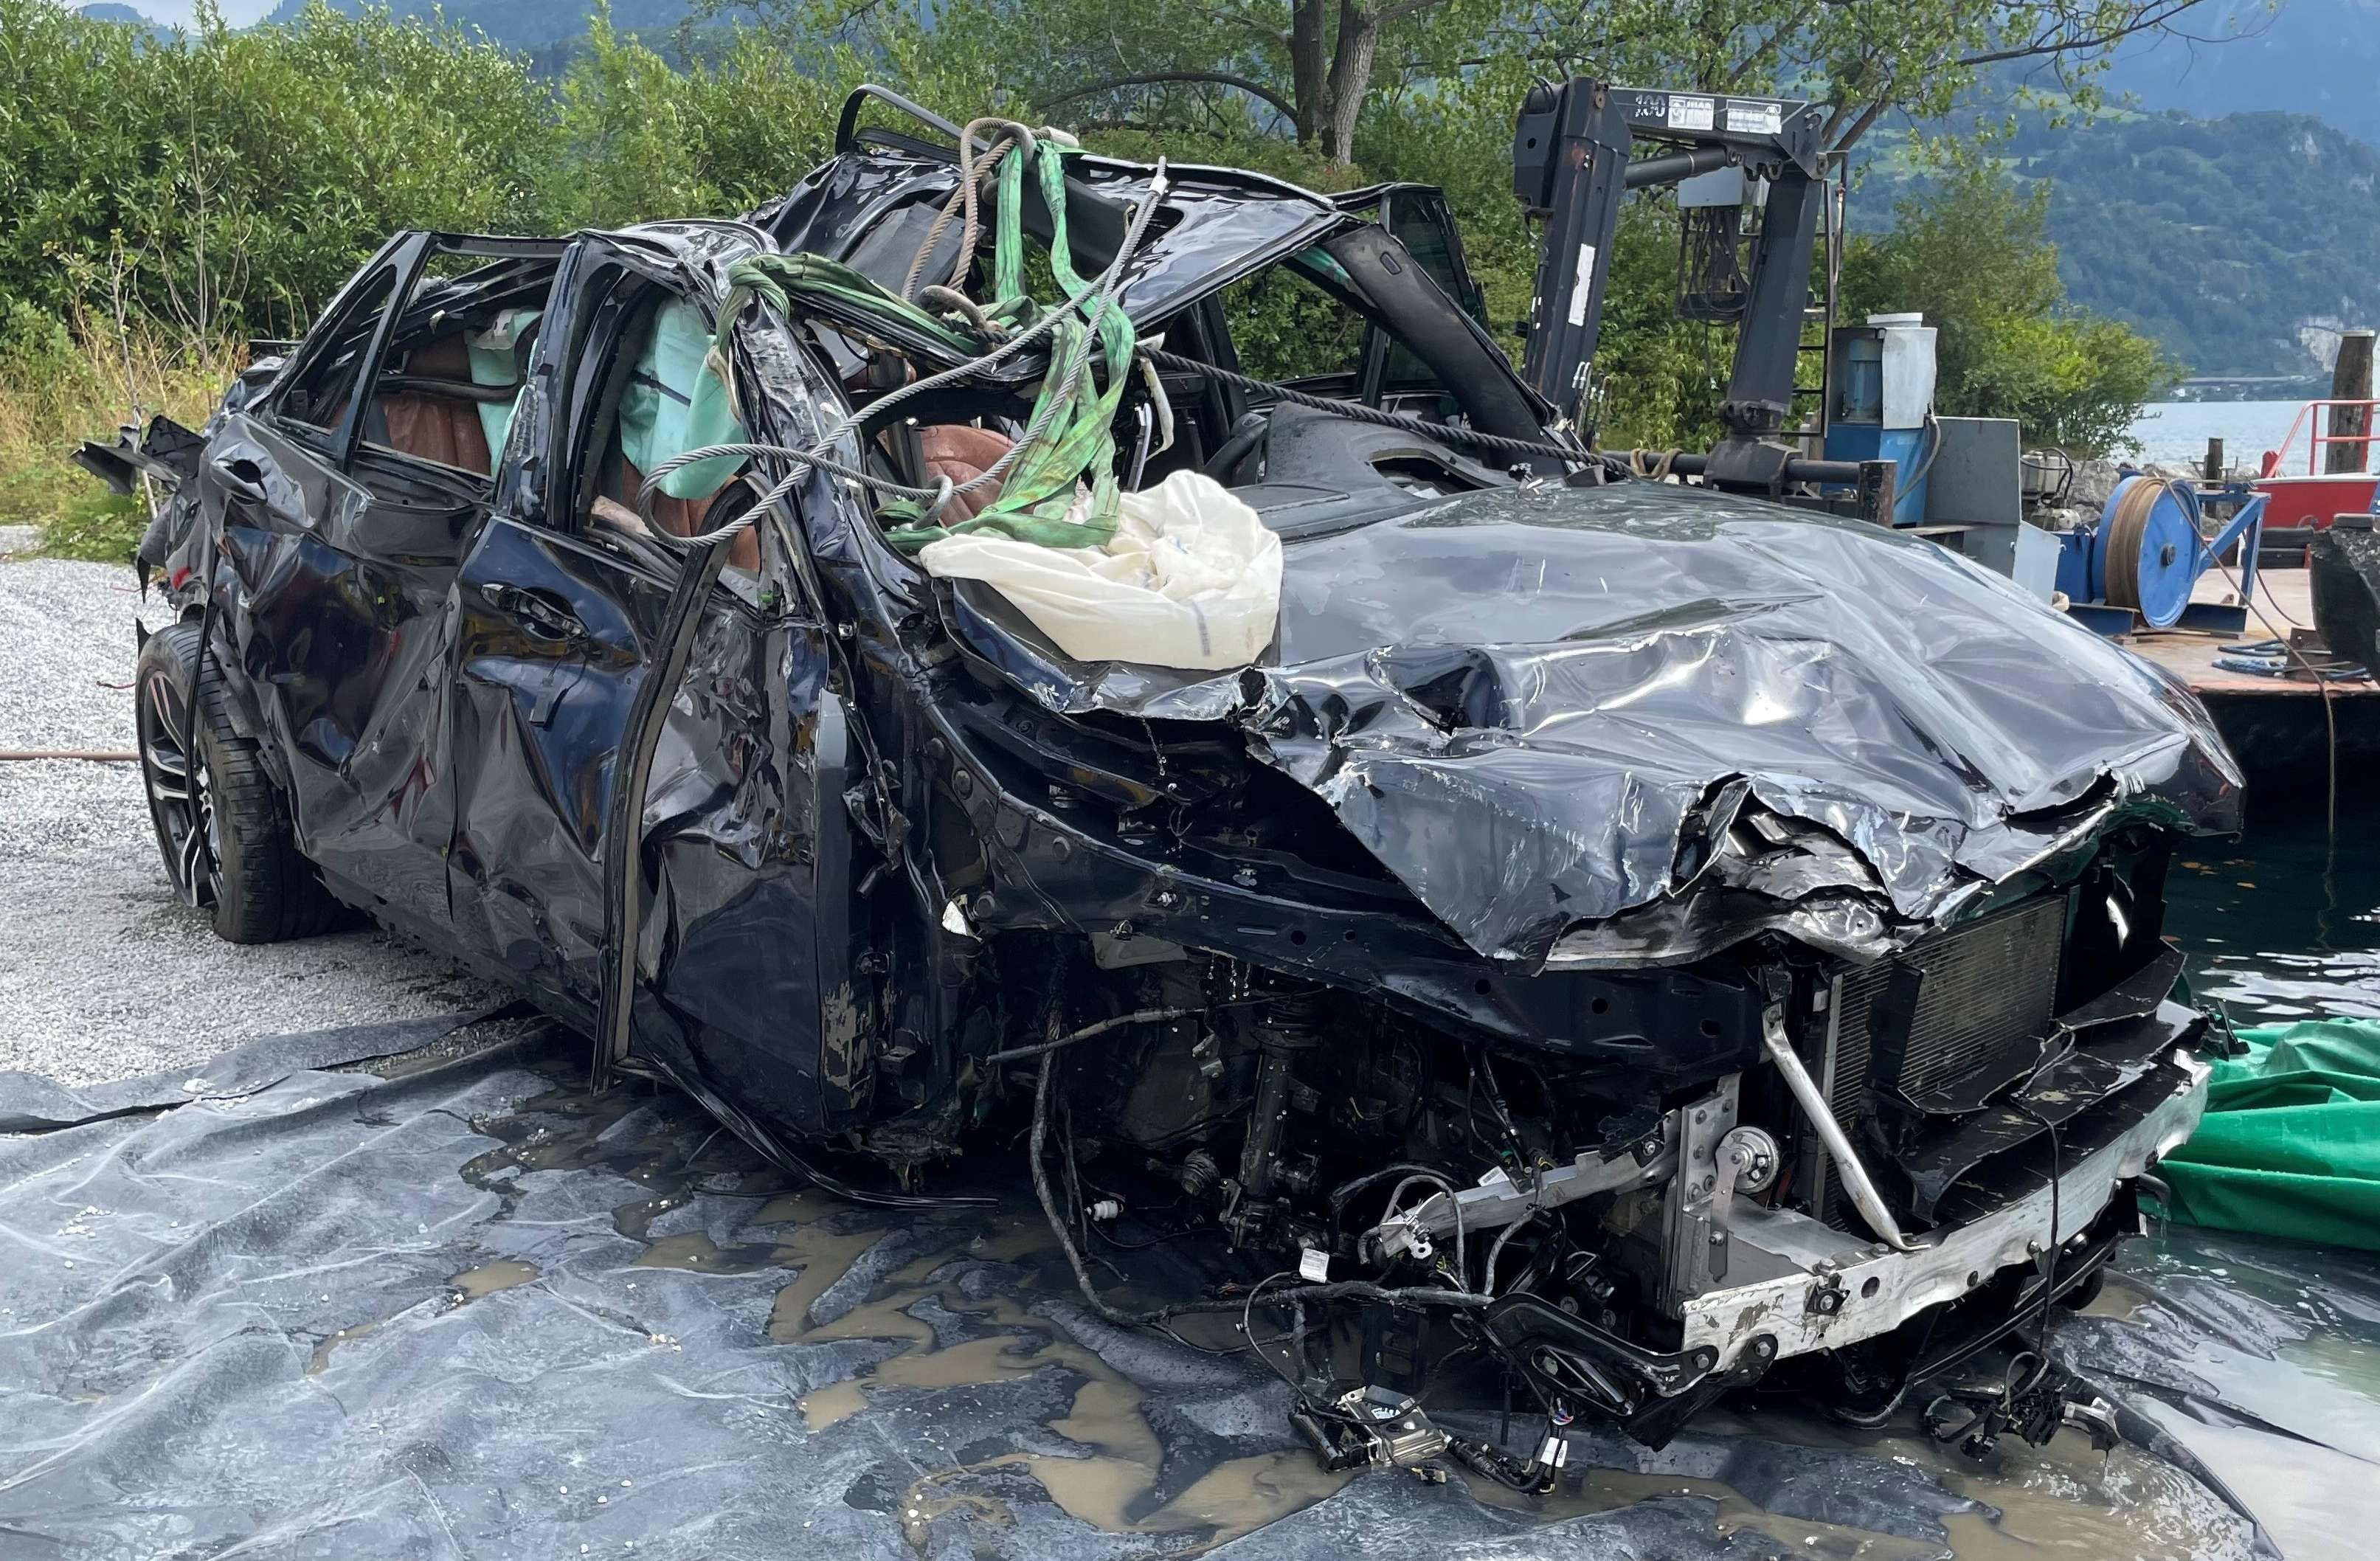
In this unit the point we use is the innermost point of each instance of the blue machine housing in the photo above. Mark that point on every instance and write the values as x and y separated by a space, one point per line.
1904 447
1881 404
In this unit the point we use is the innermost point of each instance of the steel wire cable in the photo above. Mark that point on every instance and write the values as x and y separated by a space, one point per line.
1103 296
1357 412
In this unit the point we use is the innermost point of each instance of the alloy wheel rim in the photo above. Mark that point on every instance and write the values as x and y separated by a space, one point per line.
181 793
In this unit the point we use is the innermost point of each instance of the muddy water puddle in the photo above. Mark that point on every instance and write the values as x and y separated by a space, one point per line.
502 1273
1113 1484
2064 1499
949 1336
472 1284
955 1301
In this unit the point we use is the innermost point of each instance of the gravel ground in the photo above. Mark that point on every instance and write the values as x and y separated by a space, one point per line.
103 974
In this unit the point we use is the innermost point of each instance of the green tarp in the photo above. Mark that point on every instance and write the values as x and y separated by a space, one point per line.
2290 1146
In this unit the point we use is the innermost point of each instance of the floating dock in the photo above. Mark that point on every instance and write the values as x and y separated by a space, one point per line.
2276 727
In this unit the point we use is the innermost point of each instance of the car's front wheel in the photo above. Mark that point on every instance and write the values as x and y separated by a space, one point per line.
221 825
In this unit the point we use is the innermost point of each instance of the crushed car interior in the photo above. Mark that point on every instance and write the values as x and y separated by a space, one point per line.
1649 943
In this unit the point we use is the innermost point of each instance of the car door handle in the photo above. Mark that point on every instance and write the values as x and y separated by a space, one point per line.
539 614
240 475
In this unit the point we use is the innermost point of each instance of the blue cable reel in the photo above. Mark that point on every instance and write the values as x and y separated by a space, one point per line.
2148 554
2149 549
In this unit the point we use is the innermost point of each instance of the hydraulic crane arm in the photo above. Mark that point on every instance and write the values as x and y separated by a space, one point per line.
1571 169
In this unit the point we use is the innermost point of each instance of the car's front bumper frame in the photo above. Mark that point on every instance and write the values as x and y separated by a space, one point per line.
1839 1291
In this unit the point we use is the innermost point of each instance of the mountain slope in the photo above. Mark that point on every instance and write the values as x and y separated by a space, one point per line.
111 10
2242 244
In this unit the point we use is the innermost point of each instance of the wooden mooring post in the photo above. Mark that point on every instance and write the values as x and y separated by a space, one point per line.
2351 380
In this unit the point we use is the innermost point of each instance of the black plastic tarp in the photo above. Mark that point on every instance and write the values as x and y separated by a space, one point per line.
460 1308
30 1103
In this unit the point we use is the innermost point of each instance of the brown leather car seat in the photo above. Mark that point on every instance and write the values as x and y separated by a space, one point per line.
684 517
962 453
444 429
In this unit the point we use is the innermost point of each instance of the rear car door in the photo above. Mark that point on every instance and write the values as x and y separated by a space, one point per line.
345 495
562 608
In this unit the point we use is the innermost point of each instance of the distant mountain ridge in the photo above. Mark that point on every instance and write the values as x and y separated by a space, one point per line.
2244 243
109 10
2309 56
522 24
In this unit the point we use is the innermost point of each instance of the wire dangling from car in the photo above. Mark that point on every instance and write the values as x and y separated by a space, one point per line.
1343 1290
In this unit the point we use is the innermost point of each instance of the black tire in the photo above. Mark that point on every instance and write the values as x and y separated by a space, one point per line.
2087 1291
223 826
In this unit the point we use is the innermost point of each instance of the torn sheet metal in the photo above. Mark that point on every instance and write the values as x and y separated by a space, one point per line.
1545 709
466 1310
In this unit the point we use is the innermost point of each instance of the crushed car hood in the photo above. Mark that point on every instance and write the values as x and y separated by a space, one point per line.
1547 711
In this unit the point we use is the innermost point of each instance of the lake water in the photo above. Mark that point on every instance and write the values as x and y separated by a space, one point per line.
2175 432
2285 924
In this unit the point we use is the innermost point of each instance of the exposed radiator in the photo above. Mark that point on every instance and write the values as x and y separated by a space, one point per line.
1988 989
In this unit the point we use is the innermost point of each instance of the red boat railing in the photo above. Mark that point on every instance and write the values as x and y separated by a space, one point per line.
2362 439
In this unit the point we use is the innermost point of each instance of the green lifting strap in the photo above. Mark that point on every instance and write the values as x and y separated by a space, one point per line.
780 280
1076 418
1078 431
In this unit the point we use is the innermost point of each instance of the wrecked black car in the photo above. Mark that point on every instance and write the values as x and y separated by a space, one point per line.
1658 941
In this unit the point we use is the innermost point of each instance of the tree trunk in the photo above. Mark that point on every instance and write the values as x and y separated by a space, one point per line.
1308 65
1351 78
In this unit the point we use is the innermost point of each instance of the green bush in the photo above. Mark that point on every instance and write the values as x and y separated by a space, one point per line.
241 176
98 525
34 344
169 195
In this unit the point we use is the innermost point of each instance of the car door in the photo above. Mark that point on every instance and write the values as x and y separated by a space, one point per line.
1417 217
560 624
342 538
